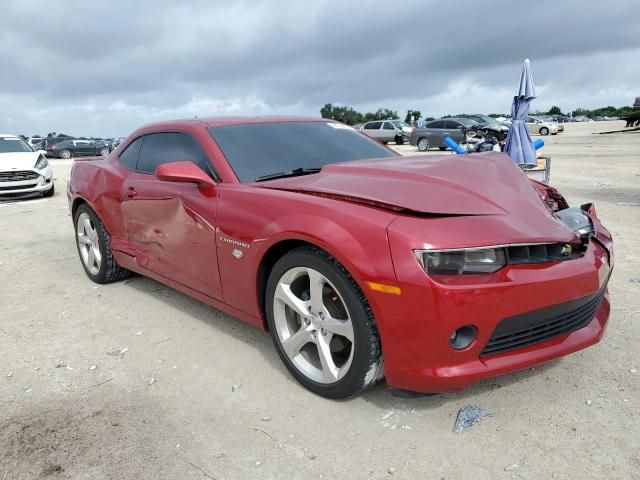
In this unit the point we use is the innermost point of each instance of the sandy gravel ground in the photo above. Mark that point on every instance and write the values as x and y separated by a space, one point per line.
136 381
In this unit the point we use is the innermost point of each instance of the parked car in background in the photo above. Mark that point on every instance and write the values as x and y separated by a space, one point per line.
434 272
536 125
78 148
23 170
35 140
386 131
553 121
433 133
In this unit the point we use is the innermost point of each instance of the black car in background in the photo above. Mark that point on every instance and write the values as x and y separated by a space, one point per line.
77 148
434 132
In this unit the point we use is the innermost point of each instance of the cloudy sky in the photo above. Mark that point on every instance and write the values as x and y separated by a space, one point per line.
104 68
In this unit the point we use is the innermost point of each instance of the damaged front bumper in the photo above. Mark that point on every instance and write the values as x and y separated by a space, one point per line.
522 315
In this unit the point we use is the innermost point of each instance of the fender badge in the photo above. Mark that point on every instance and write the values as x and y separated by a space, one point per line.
237 253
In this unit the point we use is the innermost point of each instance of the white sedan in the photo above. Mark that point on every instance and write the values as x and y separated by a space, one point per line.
23 170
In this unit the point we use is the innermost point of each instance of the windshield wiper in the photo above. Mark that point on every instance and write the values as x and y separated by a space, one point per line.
291 173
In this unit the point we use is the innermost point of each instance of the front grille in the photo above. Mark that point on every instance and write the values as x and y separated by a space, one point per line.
18 176
17 187
540 325
539 253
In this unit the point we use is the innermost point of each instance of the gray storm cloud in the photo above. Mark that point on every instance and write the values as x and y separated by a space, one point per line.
104 68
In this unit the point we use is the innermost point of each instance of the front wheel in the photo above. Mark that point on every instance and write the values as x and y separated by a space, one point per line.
66 154
322 325
399 140
423 144
544 131
50 192
94 247
104 152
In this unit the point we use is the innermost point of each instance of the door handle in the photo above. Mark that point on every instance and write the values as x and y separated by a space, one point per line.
131 192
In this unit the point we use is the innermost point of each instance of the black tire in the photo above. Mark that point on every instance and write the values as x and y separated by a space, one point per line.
104 151
109 270
442 149
367 365
65 153
399 140
423 144
51 191
544 131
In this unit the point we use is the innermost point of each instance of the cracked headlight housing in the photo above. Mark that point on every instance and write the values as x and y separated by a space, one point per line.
41 163
468 260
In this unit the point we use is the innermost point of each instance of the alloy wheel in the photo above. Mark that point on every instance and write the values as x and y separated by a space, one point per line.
88 243
313 325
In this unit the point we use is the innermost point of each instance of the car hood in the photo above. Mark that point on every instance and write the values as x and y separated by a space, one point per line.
18 160
479 184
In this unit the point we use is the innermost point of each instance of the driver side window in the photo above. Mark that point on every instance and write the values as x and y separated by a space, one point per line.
166 147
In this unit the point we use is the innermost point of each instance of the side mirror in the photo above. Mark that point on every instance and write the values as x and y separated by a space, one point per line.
185 172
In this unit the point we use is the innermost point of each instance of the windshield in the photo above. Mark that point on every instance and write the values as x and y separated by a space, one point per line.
256 150
13 144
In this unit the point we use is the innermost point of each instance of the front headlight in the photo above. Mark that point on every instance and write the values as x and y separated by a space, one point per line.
41 163
454 262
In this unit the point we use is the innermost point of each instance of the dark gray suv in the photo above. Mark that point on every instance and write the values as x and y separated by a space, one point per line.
433 132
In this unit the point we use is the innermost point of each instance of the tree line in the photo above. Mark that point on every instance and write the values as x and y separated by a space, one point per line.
350 116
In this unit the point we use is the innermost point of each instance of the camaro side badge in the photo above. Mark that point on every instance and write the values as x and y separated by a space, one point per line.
237 253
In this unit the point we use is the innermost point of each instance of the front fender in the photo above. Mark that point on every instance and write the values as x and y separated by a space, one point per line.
253 220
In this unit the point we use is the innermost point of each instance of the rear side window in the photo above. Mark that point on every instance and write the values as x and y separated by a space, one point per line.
388 126
372 126
129 157
160 148
436 124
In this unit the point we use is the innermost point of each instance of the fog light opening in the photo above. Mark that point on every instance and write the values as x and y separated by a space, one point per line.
463 337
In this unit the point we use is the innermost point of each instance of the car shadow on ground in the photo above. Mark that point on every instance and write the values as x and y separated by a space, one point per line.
380 395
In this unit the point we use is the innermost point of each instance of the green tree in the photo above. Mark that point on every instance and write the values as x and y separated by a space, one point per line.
412 113
555 110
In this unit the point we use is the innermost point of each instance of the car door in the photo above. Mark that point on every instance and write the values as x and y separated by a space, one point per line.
82 148
455 129
171 225
374 130
388 132
532 125
436 136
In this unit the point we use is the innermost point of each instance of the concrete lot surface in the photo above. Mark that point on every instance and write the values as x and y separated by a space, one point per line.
136 381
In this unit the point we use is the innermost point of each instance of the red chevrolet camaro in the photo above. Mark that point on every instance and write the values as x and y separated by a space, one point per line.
432 271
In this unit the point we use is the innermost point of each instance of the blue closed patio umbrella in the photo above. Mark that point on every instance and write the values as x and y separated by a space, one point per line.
519 144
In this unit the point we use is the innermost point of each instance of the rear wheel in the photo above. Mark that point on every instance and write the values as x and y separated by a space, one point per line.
399 140
423 144
544 131
322 325
94 248
66 154
104 152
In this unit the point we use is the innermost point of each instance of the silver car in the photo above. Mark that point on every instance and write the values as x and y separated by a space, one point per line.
387 131
537 125
434 132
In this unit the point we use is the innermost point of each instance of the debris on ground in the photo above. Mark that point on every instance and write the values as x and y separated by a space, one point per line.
50 470
139 333
468 416
391 471
92 368
10 374
634 280
387 415
151 381
588 402
61 364
235 388
266 419
117 352
633 370
512 467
